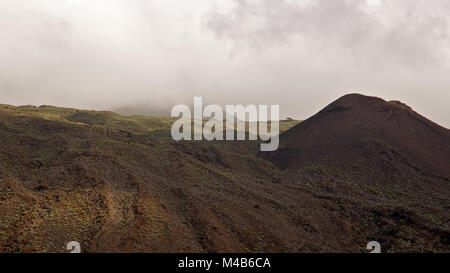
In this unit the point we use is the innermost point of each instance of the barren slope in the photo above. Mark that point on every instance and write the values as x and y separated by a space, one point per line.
120 184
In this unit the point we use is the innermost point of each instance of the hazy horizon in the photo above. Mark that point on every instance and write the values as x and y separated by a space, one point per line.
300 54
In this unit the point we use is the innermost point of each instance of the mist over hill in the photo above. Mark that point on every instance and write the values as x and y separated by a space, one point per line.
143 110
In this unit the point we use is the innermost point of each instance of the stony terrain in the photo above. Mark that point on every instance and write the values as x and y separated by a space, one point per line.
360 170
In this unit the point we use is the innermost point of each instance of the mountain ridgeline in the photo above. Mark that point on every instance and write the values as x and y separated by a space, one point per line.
362 169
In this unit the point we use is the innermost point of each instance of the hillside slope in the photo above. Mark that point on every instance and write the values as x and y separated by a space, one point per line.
355 123
120 184
378 152
372 142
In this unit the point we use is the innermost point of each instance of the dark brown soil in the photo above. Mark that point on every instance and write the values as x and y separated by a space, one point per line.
395 162
351 130
360 170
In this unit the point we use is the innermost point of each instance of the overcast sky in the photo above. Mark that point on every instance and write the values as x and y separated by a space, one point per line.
300 54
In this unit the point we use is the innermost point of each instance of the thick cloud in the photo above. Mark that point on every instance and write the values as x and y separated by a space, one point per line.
405 32
301 54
